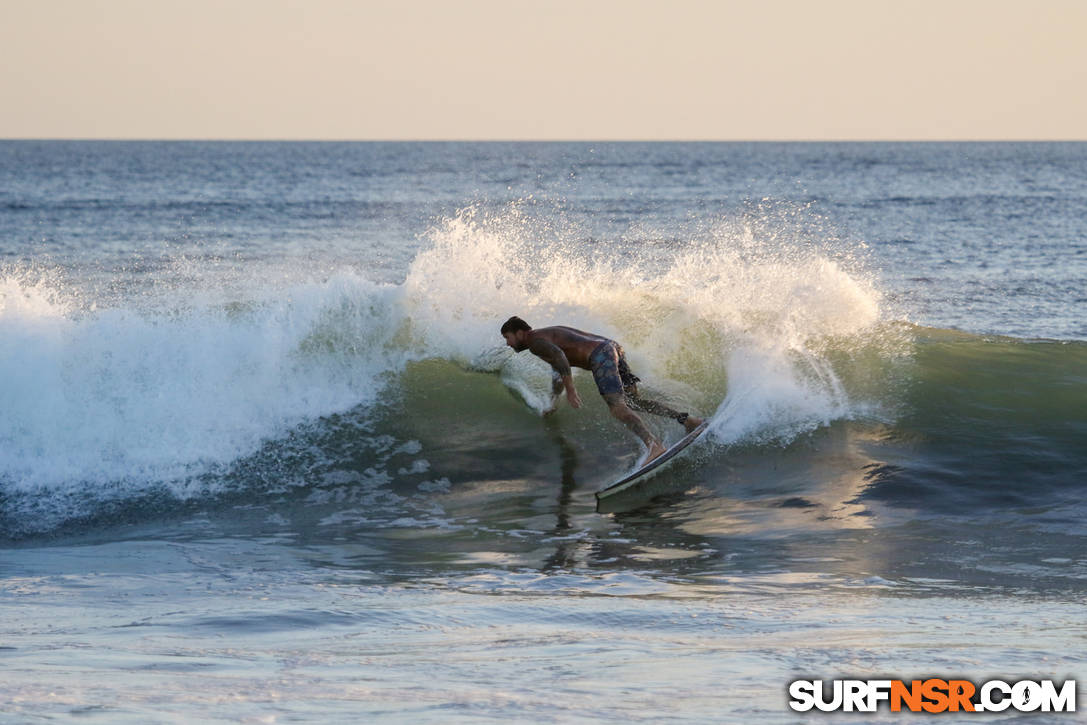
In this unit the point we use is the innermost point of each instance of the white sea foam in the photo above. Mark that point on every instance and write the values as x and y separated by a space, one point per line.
112 394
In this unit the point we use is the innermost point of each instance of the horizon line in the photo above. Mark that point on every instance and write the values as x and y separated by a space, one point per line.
300 139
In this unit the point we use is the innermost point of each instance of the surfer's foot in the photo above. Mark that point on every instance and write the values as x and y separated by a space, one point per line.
691 423
654 450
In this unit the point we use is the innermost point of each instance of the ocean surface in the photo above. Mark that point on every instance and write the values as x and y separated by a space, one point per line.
264 457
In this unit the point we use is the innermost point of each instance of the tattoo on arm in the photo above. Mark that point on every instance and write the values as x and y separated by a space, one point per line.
552 354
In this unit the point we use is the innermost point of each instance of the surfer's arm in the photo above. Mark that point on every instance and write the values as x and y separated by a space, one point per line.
553 355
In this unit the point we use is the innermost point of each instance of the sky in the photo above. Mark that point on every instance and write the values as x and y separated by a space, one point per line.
550 70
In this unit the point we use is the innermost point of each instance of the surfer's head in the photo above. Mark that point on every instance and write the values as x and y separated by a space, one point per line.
514 331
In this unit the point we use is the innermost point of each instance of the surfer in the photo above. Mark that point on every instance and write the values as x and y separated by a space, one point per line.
562 347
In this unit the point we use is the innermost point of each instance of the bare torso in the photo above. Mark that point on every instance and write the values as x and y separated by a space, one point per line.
577 345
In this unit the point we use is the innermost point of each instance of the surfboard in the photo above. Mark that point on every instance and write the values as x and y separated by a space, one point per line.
652 468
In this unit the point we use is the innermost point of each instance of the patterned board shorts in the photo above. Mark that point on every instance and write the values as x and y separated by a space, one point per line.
610 370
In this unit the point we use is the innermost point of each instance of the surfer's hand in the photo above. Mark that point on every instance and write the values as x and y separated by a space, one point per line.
573 397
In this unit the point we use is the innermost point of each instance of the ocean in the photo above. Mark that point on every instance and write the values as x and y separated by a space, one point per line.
264 456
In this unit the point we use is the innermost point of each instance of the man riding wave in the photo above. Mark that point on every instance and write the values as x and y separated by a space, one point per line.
562 347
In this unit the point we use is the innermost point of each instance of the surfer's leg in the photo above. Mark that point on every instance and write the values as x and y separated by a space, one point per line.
604 362
630 390
618 407
635 402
